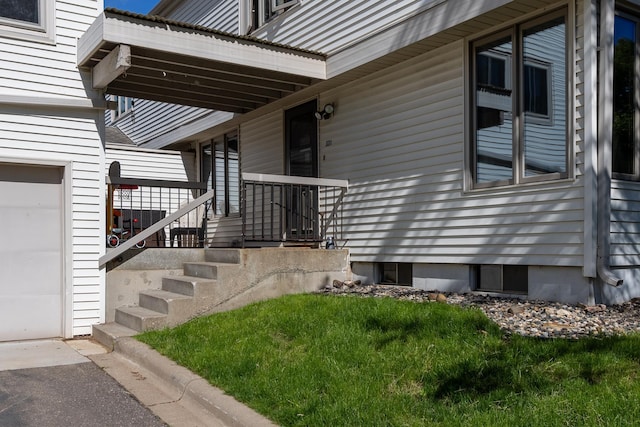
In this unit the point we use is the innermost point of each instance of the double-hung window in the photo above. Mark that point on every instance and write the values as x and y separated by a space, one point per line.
519 114
27 19
626 97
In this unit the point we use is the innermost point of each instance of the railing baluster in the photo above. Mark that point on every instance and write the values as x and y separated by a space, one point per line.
143 202
296 203
253 211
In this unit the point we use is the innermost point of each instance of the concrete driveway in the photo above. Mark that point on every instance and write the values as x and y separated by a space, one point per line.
52 383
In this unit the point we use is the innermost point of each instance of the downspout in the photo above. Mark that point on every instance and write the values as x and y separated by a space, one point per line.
605 135
590 138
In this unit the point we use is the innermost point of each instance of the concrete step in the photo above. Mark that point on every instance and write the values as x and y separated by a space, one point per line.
226 256
166 302
107 333
206 270
189 285
140 318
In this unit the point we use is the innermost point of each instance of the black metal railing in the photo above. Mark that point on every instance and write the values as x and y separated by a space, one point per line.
137 207
134 205
278 208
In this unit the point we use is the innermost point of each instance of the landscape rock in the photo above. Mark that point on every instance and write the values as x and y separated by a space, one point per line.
540 319
515 309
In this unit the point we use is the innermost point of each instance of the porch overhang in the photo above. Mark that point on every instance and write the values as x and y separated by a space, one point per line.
149 57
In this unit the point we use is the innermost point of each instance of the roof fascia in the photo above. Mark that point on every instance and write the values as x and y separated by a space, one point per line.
167 37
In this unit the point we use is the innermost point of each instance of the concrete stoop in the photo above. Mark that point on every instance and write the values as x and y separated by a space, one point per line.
217 280
179 299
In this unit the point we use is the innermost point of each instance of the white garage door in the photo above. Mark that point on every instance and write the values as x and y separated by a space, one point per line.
31 259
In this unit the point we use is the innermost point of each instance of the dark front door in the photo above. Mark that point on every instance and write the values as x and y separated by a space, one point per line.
301 141
301 136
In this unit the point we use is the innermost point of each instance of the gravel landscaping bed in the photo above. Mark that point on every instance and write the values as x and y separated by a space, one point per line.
530 318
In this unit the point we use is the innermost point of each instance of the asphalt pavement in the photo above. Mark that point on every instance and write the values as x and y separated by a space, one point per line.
55 383
50 383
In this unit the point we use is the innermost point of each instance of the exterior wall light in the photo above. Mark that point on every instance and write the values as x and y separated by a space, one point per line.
325 113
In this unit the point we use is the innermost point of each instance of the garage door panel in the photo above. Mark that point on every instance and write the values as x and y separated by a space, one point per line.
31 227
34 280
31 258
24 324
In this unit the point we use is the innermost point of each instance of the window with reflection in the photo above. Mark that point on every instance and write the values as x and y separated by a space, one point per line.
28 19
519 99
21 10
625 98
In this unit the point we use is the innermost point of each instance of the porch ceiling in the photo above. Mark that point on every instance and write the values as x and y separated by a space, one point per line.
154 58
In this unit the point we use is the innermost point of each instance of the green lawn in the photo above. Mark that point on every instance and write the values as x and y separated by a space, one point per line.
317 360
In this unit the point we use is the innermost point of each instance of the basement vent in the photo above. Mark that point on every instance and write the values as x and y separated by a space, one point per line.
396 273
503 278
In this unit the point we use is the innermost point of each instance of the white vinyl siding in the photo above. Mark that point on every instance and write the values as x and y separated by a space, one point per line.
625 224
221 15
578 104
152 164
32 70
261 144
46 137
327 26
150 119
400 142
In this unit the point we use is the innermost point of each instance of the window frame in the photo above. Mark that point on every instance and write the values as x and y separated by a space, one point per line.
538 118
43 31
508 85
626 12
119 113
516 62
284 5
261 12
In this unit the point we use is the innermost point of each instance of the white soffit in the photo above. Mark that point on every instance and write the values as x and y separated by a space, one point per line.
152 58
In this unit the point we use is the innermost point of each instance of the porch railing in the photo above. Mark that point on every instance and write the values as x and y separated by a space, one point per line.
154 213
278 208
159 227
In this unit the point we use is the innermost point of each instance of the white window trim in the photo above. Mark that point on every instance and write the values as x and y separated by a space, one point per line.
246 21
117 114
44 32
284 5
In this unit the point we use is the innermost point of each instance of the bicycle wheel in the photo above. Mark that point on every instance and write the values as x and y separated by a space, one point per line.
113 240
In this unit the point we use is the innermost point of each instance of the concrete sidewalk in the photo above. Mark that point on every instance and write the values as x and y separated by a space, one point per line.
175 394
43 353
